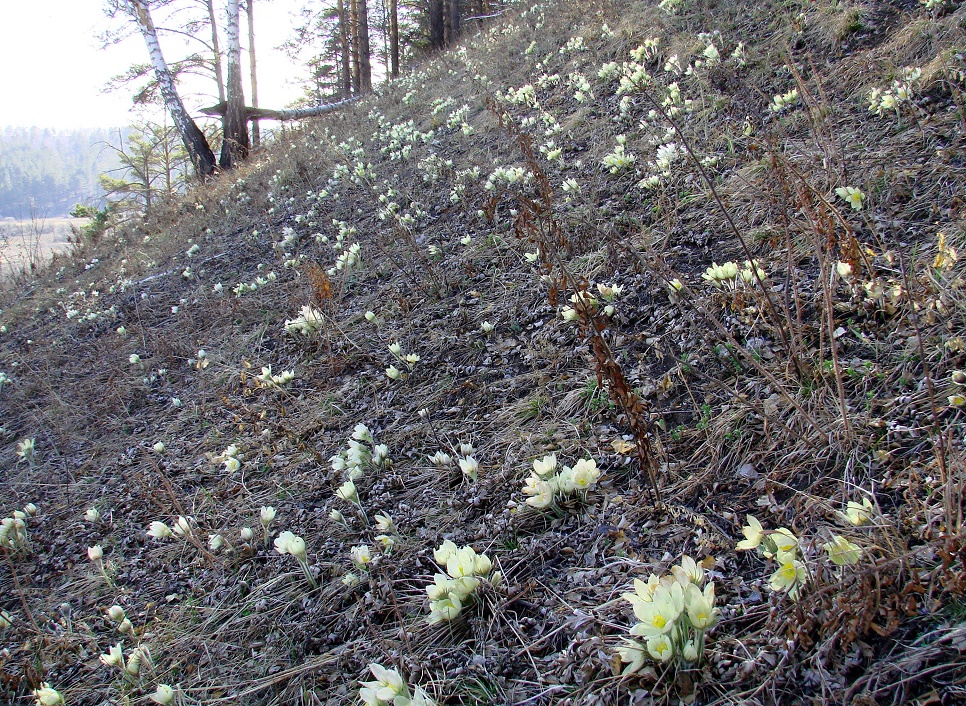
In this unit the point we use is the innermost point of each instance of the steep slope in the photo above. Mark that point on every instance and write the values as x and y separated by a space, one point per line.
784 342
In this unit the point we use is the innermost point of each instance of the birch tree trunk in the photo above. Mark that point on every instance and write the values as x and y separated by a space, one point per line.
234 144
256 135
216 48
365 59
202 158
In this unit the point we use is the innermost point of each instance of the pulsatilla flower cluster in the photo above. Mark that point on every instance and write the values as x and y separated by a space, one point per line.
884 101
785 549
307 323
583 303
230 458
546 484
675 612
731 276
361 451
450 592
619 160
785 100
391 689
289 543
27 450
267 379
407 359
13 529
782 546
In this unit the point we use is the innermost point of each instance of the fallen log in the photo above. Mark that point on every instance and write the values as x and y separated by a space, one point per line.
269 114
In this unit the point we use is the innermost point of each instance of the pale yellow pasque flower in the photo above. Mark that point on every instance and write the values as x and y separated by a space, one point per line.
361 433
658 616
115 613
139 655
445 609
660 647
483 565
545 466
47 696
584 474
858 514
569 314
282 542
384 523
421 698
441 587
388 686
461 563
753 532
564 481
159 530
440 458
688 572
844 270
347 491
92 515
182 527
470 467
643 592
854 197
789 576
633 653
540 492
444 552
361 556
783 540
163 695
842 552
296 547
266 515
690 651
386 541
114 657
95 553
609 292
701 611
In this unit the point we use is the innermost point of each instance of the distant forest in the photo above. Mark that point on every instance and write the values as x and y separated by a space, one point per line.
44 172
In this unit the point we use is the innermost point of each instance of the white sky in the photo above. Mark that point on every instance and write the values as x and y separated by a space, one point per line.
53 69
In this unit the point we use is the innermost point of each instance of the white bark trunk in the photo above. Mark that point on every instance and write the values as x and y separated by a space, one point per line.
235 144
194 140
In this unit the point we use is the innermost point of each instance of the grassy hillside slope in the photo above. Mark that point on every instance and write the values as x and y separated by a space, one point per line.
672 240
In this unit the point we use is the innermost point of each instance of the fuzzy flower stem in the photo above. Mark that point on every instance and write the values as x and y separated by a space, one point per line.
365 518
308 574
